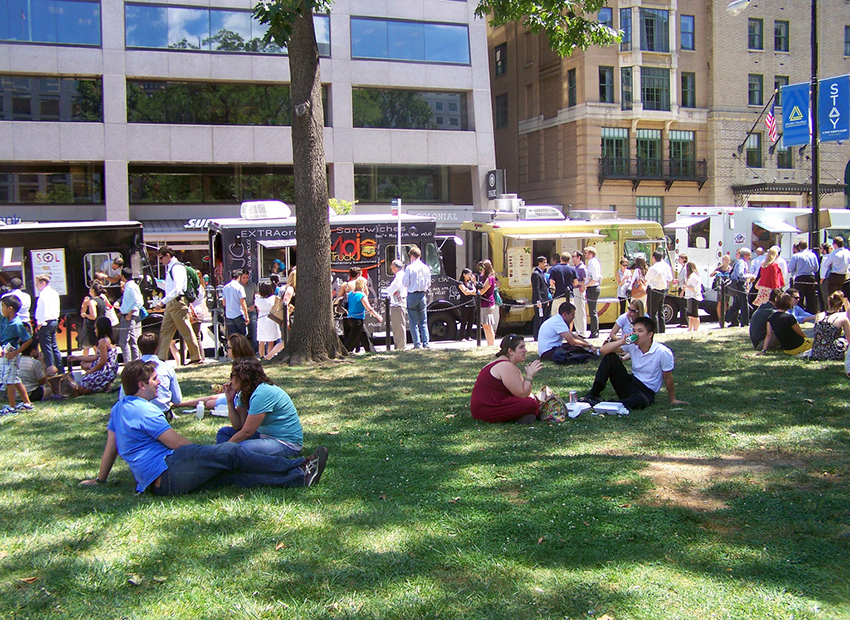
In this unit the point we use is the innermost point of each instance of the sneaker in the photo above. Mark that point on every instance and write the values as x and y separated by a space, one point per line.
25 407
314 466
590 399
8 410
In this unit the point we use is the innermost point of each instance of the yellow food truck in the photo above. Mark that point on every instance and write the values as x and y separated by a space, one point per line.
512 246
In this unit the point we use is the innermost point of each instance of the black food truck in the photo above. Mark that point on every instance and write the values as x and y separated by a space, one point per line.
71 252
265 246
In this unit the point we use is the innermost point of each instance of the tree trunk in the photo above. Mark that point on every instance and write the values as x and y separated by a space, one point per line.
313 337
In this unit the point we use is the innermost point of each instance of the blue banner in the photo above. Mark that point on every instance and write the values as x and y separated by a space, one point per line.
795 114
834 108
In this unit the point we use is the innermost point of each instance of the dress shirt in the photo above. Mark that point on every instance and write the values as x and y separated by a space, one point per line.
47 307
396 292
755 264
649 367
783 267
132 300
26 301
803 263
417 277
594 272
838 260
581 273
233 294
175 280
799 313
168 392
659 276
739 270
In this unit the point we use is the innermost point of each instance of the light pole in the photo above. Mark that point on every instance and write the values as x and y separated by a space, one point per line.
736 7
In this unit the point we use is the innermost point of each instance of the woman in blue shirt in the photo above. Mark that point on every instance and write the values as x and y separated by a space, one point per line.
358 305
262 416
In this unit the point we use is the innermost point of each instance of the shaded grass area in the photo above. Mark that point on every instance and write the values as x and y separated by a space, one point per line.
735 506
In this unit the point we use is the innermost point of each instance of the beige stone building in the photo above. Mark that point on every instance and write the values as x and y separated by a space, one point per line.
672 116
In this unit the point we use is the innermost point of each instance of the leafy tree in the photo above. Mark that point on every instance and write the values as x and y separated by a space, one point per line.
567 23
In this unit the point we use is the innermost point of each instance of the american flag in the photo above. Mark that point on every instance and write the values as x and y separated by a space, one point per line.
770 121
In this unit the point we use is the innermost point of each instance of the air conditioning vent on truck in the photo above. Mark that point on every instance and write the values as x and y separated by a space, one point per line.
540 213
265 210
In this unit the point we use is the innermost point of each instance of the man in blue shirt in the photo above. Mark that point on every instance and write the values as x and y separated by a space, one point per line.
235 307
562 276
739 311
803 268
417 281
130 326
164 462
168 393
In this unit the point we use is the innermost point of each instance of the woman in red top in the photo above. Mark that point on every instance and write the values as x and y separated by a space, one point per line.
770 277
501 393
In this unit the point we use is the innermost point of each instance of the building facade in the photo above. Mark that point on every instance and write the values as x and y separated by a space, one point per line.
174 112
670 116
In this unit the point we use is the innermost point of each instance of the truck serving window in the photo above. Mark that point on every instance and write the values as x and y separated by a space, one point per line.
633 249
98 262
11 264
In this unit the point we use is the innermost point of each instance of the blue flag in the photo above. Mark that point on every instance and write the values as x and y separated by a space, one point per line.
834 108
795 114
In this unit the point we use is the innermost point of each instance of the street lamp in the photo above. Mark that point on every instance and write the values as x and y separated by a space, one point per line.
736 7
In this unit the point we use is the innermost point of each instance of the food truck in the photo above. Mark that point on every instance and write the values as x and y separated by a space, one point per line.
370 242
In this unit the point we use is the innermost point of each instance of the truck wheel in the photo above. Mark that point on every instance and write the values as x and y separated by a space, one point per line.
669 311
442 326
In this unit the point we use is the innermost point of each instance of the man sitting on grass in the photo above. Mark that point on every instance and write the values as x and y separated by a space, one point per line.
164 462
652 364
555 330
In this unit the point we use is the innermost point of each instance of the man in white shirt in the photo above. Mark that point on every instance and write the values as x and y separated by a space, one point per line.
591 288
235 307
417 281
112 269
755 264
176 314
130 319
397 294
652 365
836 264
47 320
17 287
556 330
658 279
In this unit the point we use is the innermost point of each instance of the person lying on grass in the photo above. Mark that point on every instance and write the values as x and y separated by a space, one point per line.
164 462
652 364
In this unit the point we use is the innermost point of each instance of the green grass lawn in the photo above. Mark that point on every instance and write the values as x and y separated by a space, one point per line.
736 506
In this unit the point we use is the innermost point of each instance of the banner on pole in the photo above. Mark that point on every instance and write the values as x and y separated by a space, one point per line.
795 114
834 108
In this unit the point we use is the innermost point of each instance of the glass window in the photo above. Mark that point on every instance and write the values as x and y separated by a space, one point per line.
686 27
501 59
176 183
780 36
755 34
606 17
50 99
682 153
655 88
73 22
501 112
755 89
615 151
626 88
648 152
778 82
784 156
847 40
606 84
219 30
654 30
412 41
571 88
411 184
407 109
649 208
754 150
626 29
689 90
80 183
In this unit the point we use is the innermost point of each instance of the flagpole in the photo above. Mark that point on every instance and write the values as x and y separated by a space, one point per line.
814 229
758 120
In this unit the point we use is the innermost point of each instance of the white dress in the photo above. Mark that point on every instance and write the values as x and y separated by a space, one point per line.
267 330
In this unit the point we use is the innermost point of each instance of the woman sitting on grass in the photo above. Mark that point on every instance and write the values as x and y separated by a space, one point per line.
262 416
625 323
238 347
784 331
501 393
830 326
102 367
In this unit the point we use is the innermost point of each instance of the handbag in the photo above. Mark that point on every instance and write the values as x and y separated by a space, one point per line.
568 354
553 409
638 289
63 386
278 312
496 297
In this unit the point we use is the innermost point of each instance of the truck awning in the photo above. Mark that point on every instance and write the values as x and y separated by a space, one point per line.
777 227
686 222
543 236
276 244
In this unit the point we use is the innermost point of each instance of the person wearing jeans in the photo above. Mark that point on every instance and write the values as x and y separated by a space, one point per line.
130 318
164 462
47 320
417 281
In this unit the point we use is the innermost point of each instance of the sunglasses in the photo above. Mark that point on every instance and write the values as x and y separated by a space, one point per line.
632 309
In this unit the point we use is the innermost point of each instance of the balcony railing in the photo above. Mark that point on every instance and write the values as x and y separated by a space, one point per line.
641 169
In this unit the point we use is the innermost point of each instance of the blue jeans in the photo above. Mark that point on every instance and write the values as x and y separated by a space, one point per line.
255 443
236 326
418 317
47 341
194 468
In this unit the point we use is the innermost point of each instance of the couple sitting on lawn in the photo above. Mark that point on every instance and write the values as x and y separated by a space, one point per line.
502 394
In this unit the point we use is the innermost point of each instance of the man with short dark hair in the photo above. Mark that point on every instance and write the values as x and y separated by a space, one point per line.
130 320
47 309
652 365
834 267
235 307
658 279
539 294
758 322
562 276
168 392
803 268
556 330
175 318
164 462
738 312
